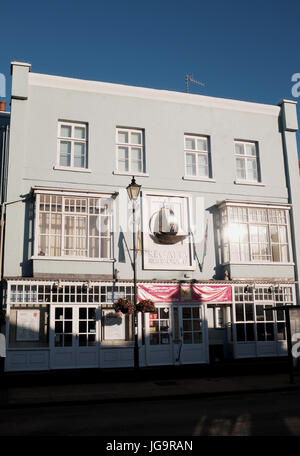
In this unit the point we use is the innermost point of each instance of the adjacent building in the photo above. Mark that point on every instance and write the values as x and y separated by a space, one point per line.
217 219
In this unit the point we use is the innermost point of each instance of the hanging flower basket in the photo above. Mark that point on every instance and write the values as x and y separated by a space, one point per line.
124 306
146 305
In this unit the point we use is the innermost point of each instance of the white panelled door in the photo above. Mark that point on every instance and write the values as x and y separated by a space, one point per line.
193 343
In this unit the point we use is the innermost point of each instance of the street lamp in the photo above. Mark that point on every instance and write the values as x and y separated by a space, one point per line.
133 191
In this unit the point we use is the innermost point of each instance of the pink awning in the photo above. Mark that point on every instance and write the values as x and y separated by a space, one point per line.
185 293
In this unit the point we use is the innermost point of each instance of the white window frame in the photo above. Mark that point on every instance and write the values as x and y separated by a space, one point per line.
226 242
72 140
197 153
246 157
74 196
271 290
130 145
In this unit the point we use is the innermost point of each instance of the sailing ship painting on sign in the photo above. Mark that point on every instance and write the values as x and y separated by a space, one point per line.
166 227
166 232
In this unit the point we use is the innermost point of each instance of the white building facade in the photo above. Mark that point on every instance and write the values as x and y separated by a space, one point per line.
216 222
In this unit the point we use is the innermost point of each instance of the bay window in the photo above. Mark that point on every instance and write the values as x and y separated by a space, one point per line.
73 226
254 234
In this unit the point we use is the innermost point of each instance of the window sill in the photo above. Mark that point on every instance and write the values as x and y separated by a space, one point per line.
70 258
68 168
124 173
257 184
200 179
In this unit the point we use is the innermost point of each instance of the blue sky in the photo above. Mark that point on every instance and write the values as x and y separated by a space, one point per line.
240 49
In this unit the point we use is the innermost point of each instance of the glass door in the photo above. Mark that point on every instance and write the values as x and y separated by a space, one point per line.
74 337
87 346
63 337
159 350
193 335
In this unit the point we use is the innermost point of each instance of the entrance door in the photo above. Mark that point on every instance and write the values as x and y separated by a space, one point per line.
193 346
87 346
159 349
74 337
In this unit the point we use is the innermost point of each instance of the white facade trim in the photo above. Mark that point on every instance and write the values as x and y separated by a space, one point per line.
199 179
72 258
59 82
135 174
69 191
254 183
69 168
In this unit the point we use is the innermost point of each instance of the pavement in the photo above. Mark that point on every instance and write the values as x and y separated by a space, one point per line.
23 389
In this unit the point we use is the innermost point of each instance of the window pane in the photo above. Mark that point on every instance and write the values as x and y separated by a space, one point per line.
250 149
284 253
202 144
94 248
65 131
190 143
136 138
259 312
79 155
252 169
79 133
240 168
275 253
239 149
268 313
274 233
94 225
65 153
270 331
187 338
282 234
239 309
105 248
186 312
123 164
136 157
197 337
281 335
68 313
191 164
249 312
202 160
187 325
123 137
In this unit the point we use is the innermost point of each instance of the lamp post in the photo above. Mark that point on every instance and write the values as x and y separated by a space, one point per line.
133 191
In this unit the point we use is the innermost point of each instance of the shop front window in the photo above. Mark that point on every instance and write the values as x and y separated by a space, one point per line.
255 317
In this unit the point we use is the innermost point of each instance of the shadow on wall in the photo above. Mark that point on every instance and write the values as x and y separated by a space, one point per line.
219 268
28 242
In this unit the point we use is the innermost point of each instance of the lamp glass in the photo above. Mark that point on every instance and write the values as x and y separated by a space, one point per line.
133 190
